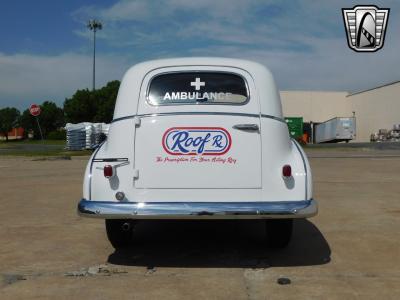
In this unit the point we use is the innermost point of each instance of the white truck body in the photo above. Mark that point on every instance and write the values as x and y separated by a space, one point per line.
198 152
336 130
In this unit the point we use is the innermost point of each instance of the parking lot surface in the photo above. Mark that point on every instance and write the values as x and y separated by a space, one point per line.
349 251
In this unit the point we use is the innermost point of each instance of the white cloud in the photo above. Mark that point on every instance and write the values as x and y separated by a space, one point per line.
128 10
330 66
302 41
26 78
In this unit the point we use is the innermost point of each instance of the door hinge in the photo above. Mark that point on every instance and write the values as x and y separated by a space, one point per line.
137 121
135 174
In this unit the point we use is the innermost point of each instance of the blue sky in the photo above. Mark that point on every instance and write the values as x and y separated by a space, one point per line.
45 48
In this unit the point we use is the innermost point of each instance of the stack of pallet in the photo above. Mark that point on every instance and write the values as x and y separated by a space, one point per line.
85 135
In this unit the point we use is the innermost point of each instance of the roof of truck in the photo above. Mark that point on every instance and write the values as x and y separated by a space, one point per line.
199 61
134 78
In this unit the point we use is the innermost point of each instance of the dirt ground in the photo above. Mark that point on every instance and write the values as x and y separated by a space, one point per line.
351 250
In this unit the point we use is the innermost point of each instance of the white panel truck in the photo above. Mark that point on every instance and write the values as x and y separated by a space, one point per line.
198 138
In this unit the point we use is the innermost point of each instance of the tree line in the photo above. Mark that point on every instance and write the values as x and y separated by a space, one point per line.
83 106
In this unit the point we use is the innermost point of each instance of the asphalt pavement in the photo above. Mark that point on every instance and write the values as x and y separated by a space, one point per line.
349 251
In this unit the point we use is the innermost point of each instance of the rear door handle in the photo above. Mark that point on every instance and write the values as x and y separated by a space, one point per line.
246 127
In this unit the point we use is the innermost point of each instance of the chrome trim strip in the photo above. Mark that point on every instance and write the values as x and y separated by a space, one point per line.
304 163
273 118
110 159
197 210
123 118
200 113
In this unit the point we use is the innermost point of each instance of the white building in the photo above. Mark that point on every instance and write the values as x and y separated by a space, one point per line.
374 108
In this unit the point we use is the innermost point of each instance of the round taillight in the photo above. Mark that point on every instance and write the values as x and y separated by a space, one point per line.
108 171
286 171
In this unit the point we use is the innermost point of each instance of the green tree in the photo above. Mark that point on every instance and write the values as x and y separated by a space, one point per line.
92 106
51 117
81 107
8 119
27 121
106 97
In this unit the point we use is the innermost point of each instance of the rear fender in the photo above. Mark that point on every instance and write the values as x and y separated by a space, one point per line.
116 151
301 156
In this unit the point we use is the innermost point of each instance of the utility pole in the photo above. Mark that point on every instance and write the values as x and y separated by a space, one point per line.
94 25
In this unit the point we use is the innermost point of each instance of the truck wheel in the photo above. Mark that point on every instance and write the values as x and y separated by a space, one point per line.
119 232
278 232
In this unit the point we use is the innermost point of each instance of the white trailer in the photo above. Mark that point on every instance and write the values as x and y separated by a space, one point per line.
335 130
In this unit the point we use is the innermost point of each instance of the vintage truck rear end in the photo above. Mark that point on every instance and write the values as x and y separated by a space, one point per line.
198 138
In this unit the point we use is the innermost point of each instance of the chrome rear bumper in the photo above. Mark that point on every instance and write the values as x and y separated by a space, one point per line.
197 210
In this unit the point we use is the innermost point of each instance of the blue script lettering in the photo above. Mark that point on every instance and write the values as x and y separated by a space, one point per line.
182 141
217 141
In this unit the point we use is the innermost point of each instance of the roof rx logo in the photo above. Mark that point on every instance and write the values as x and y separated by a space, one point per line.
196 141
365 27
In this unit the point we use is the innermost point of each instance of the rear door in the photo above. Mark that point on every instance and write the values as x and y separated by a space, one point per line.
199 129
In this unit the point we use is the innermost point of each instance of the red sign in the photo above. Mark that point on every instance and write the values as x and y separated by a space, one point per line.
34 110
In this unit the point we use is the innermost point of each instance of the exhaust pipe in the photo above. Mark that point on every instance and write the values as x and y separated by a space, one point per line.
126 226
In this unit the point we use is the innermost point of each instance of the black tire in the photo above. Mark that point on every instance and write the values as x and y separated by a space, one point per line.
120 232
278 232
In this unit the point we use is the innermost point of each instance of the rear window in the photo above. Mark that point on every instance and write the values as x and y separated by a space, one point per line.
197 88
